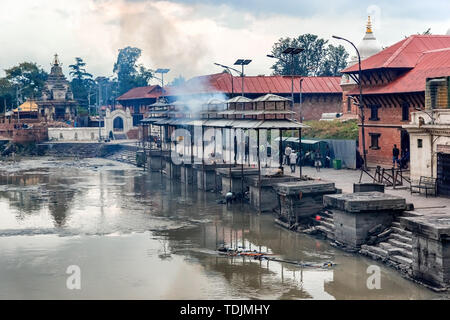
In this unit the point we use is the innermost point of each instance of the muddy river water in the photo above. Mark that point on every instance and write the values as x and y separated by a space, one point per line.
138 235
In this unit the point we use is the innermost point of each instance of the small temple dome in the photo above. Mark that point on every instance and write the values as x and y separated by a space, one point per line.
369 44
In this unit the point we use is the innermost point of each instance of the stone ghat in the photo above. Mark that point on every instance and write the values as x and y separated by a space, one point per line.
299 200
430 248
355 215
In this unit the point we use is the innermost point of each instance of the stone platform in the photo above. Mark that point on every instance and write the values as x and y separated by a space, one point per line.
299 200
207 178
430 248
262 195
236 178
356 214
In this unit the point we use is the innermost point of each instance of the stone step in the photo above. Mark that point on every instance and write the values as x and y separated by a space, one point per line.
394 251
327 219
402 232
329 233
327 214
385 245
328 225
401 260
401 238
375 249
400 244
396 224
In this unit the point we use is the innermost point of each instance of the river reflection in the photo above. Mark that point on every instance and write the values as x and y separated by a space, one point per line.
138 235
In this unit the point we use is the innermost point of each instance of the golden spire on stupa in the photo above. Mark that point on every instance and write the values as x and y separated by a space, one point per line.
369 25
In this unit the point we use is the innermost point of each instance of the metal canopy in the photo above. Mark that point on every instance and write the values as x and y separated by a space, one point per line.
246 124
281 124
254 112
219 123
270 97
215 101
239 99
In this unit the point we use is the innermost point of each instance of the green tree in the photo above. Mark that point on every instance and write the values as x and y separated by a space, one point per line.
82 83
129 73
6 94
335 60
315 60
27 79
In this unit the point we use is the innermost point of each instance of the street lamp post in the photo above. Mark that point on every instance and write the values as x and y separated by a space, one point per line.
242 63
162 72
292 52
229 70
361 104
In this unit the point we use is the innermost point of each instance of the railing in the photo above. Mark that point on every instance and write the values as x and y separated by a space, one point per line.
390 177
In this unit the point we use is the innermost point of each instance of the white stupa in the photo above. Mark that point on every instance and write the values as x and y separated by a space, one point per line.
448 32
367 47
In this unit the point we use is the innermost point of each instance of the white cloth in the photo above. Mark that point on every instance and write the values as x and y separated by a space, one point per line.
287 151
293 157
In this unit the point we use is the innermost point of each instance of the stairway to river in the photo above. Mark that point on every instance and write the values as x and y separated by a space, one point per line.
396 250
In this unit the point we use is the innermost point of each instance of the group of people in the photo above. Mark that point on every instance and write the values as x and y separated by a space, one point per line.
293 158
401 161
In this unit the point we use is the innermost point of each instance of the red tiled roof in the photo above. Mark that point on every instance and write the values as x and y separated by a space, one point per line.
434 63
141 93
221 82
403 54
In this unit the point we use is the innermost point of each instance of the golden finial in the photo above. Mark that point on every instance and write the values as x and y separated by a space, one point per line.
369 26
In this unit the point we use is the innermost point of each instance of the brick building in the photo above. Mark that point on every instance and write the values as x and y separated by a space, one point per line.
393 86
319 94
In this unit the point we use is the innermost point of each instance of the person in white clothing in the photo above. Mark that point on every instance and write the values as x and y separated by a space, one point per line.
293 160
287 153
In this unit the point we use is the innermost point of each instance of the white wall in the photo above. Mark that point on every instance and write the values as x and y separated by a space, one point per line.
74 134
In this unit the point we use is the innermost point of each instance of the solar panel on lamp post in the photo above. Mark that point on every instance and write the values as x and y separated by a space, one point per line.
292 52
242 63
361 104
162 72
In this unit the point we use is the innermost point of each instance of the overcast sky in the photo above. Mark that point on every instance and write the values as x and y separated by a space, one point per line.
188 36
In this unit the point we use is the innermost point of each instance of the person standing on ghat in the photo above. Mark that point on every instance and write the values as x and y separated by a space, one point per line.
287 153
293 160
317 160
395 154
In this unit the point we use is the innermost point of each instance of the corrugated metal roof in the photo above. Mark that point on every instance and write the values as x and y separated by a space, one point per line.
403 54
246 124
255 112
219 123
281 124
221 83
435 63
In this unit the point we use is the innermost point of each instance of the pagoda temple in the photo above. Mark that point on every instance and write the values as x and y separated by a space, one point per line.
57 101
